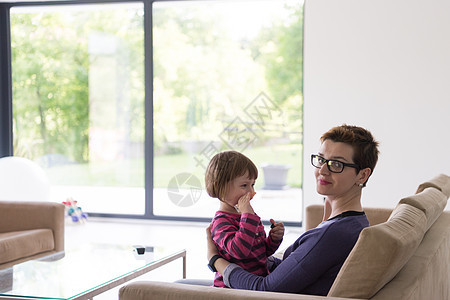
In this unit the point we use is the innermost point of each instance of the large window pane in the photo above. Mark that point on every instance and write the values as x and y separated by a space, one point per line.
78 101
227 75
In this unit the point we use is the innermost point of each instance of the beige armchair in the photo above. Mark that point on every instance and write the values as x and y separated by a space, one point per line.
30 230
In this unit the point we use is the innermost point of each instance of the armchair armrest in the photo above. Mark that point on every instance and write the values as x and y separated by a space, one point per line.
26 215
314 215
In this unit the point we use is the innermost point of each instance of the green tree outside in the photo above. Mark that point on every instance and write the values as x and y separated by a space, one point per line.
51 62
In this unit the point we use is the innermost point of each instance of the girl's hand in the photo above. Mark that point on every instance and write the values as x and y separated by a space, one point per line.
243 205
277 231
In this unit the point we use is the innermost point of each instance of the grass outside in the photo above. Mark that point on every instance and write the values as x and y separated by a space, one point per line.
130 172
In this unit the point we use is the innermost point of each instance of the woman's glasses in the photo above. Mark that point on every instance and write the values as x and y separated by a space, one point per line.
334 166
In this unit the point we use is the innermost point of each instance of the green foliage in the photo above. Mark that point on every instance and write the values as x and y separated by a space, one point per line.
50 59
49 86
279 48
102 174
203 77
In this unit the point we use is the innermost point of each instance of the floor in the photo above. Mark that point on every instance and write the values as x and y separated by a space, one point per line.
183 235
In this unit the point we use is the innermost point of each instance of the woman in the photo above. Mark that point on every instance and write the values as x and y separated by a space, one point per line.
345 161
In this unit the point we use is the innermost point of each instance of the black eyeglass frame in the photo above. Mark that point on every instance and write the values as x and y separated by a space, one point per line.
329 161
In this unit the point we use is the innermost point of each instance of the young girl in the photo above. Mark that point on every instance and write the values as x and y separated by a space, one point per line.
236 230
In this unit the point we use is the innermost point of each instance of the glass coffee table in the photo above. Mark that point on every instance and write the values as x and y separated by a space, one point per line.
83 272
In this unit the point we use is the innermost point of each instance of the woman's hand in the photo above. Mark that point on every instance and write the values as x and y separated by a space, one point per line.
212 249
277 231
243 205
220 263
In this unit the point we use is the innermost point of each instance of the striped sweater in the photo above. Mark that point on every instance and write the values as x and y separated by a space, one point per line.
241 239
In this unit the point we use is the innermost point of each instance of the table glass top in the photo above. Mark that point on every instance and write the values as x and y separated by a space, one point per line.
78 270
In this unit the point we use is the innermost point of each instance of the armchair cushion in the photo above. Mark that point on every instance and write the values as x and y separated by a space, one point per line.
380 252
18 244
28 215
29 230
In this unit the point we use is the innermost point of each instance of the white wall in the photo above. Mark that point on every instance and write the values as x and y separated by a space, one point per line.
383 65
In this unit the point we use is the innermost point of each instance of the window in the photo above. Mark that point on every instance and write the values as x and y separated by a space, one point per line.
78 101
225 75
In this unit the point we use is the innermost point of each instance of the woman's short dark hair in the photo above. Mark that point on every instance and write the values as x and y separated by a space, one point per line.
365 147
225 167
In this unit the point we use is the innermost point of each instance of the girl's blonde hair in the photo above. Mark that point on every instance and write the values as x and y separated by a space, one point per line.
225 167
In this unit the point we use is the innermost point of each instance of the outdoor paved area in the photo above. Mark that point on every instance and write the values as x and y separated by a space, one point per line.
281 205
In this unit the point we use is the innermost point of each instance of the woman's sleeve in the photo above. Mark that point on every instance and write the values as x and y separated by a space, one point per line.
288 277
314 256
272 263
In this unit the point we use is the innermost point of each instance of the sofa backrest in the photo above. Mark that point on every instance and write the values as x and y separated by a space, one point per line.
427 273
380 252
431 201
440 182
383 250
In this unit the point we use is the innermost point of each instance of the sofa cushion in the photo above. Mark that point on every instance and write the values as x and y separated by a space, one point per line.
380 252
431 201
20 244
441 182
426 275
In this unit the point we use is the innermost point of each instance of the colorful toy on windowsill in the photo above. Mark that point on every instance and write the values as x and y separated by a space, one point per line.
74 211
